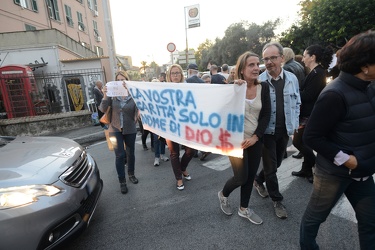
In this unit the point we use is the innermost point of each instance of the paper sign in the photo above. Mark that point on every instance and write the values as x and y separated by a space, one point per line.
207 117
116 88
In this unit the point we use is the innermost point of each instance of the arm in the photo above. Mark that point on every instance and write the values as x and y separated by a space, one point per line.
328 111
106 101
265 113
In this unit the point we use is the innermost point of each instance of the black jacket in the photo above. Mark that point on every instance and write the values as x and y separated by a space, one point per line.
297 69
194 79
314 83
344 119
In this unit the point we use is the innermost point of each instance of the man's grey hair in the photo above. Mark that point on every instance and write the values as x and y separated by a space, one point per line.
276 44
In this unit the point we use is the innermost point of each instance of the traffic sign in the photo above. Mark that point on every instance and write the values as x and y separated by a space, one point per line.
171 47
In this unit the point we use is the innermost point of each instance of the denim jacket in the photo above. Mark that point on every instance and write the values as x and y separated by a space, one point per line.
292 102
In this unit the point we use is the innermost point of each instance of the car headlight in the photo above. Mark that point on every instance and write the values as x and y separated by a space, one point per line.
18 196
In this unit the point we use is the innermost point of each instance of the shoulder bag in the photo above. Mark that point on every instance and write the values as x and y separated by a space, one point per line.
107 117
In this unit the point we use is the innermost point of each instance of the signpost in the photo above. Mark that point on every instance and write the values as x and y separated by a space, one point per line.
171 47
193 21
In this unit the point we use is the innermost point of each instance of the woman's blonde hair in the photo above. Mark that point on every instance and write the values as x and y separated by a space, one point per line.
179 68
288 54
122 73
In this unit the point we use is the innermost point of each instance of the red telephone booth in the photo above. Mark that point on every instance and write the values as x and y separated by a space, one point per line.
17 84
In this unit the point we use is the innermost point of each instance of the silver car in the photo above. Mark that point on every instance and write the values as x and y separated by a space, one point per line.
49 189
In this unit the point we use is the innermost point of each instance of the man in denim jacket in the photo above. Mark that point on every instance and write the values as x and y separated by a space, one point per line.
285 103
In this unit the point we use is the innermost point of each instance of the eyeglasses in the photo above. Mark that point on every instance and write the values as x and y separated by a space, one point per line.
272 59
175 73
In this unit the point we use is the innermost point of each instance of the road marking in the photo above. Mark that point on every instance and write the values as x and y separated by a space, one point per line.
343 208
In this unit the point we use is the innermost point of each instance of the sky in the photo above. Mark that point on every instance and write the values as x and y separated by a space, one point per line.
143 29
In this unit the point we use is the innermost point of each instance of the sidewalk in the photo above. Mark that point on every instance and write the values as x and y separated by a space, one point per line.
84 135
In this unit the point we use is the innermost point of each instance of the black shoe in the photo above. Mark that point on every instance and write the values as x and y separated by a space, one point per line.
145 147
124 188
310 179
298 156
204 155
133 179
302 173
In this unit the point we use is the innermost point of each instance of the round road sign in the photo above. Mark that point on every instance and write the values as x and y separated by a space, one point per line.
171 47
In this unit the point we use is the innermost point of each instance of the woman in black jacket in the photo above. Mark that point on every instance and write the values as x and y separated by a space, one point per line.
317 59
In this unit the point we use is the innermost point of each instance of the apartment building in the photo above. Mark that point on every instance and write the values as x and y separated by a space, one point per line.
68 45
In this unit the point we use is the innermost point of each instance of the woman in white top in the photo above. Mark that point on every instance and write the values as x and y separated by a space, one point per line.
257 116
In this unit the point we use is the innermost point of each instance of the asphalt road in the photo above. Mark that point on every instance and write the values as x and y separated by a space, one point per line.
155 215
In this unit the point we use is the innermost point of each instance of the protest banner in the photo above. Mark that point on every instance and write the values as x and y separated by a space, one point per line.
116 88
207 117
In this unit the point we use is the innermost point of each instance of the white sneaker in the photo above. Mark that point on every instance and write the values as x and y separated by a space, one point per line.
164 158
250 215
156 162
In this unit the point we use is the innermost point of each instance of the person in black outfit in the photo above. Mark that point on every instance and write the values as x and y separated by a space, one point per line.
98 96
216 78
341 130
192 71
317 59
291 65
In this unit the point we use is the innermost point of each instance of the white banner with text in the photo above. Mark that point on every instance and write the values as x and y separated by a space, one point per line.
207 117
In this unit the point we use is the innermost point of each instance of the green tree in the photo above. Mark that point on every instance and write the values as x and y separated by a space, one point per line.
258 35
238 38
143 68
155 69
233 43
201 54
330 22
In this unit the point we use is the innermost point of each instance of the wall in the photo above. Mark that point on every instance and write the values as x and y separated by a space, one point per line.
45 124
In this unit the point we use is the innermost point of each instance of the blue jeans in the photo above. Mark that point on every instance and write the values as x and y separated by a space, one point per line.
123 155
327 191
244 171
274 147
159 146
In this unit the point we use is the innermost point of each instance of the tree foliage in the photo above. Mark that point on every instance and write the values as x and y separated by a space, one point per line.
238 38
329 22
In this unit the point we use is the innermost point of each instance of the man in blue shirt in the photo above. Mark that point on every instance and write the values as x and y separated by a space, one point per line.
285 103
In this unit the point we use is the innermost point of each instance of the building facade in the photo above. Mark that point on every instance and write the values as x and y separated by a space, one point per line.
68 45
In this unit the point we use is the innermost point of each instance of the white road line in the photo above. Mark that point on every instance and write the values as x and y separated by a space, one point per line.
343 209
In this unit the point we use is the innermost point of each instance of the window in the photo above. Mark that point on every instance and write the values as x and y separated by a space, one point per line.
95 5
89 4
29 27
68 12
27 4
96 31
99 50
92 4
53 9
81 26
